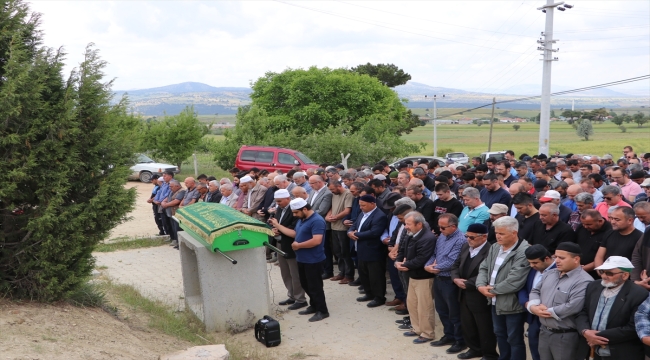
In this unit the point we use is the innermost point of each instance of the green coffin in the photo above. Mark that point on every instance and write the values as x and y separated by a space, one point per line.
222 227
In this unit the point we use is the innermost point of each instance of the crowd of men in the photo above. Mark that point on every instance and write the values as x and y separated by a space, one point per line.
559 243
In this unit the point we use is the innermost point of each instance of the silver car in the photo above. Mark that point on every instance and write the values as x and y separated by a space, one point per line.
146 167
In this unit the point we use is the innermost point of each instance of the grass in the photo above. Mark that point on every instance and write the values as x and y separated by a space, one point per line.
180 324
205 166
473 139
126 243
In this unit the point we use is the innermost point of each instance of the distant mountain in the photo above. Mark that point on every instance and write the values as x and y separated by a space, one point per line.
186 87
533 89
418 89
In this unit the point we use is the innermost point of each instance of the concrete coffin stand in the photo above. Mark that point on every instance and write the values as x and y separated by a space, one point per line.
222 295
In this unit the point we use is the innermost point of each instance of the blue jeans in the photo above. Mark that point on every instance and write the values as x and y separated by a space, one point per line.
445 293
510 335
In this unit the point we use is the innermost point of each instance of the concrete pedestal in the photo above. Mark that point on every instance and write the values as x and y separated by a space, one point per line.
224 296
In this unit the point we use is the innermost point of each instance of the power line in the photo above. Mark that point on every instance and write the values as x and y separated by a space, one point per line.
436 22
389 27
618 82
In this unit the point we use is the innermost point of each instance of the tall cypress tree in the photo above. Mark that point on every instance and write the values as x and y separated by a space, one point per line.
64 157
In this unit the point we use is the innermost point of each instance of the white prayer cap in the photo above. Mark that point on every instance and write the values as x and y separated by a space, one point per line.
281 194
245 179
297 204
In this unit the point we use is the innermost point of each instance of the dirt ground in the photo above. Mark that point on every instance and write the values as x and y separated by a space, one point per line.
141 222
65 332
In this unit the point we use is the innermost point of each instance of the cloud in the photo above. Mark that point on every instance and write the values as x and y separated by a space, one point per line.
453 44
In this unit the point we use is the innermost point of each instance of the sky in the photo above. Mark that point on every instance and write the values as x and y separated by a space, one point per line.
471 45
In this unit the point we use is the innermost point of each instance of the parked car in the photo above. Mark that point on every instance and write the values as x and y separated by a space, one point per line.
146 167
441 161
499 155
459 157
271 158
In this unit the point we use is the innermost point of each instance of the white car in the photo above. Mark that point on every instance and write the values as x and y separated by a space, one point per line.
459 157
146 167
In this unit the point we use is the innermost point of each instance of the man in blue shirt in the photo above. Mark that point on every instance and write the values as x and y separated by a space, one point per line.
445 292
310 255
163 194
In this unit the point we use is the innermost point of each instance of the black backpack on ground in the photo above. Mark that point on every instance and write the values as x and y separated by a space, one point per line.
267 331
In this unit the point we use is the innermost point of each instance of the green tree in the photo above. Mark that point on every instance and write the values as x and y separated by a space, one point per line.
516 127
389 74
64 154
300 108
598 114
585 128
174 138
536 119
639 119
553 113
571 115
618 120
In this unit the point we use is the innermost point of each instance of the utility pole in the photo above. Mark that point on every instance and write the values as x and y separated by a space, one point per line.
573 105
435 127
491 124
547 53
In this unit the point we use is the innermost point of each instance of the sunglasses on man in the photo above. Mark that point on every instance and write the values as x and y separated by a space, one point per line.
609 273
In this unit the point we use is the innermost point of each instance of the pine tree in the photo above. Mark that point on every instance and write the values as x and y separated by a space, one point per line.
64 155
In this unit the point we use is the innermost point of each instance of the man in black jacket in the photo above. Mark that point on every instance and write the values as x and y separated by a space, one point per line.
607 317
213 195
423 204
550 231
283 223
419 299
475 313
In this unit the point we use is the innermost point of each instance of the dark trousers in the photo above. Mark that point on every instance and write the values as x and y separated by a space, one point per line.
533 338
510 335
312 282
341 249
373 278
446 294
328 264
170 226
478 331
395 280
158 219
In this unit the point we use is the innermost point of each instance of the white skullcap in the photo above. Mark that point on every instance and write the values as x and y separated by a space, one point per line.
298 203
281 194
245 179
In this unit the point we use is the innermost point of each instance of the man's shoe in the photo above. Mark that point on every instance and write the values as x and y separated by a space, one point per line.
361 287
345 281
469 354
401 312
326 276
364 298
405 319
375 303
356 282
162 233
362 291
298 305
319 316
443 341
399 307
287 302
410 333
273 259
421 340
456 348
405 326
337 278
395 302
308 311
174 243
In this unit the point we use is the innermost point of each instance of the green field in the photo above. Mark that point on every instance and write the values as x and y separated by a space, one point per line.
473 139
